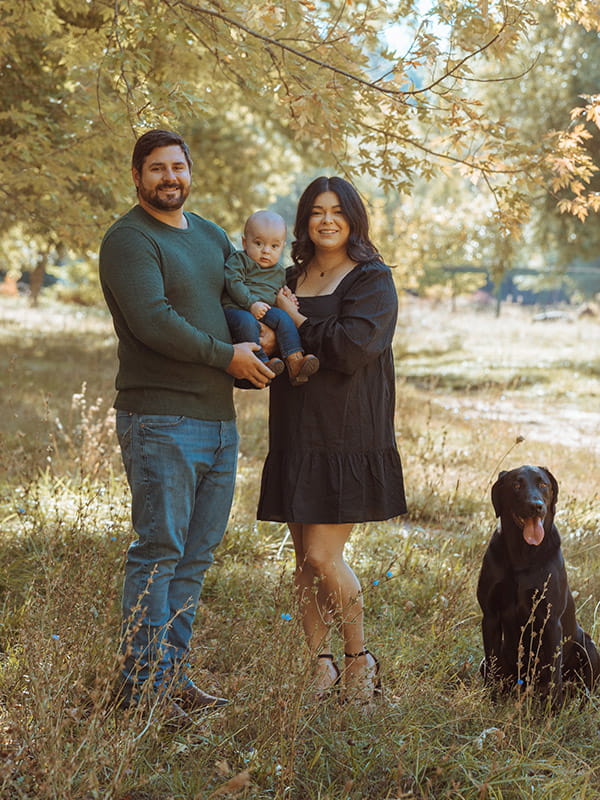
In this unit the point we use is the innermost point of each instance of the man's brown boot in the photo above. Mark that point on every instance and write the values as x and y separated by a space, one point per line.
192 698
301 367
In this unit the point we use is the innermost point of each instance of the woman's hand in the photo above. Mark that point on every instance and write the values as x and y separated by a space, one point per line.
268 340
289 294
284 301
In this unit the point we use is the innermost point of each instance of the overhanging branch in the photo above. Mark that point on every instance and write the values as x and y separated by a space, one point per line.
401 95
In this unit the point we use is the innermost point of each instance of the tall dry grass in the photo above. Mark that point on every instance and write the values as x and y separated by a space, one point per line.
475 395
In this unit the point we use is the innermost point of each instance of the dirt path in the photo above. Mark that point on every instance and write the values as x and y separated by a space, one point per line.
542 377
534 418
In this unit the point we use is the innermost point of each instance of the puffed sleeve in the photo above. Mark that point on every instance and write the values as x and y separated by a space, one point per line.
364 326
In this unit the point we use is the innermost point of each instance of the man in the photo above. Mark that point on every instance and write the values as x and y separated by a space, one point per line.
162 273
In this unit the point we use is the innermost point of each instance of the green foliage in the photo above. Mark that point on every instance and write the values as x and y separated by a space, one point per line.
449 222
263 91
558 93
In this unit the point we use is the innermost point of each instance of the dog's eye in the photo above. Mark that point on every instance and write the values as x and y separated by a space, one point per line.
516 485
543 485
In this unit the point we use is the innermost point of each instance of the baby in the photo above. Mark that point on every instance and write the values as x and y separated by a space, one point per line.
253 277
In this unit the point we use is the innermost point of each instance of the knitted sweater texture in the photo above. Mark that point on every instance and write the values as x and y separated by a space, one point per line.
163 287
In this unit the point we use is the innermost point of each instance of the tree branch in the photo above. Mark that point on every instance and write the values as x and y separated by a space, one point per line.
400 95
477 167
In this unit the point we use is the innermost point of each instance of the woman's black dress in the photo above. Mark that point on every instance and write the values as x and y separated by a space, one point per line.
332 449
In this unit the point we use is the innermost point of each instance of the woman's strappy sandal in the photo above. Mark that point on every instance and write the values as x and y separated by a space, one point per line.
323 694
372 682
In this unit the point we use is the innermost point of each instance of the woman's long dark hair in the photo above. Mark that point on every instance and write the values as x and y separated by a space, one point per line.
359 248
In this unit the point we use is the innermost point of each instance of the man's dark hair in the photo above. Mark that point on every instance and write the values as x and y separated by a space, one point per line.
150 140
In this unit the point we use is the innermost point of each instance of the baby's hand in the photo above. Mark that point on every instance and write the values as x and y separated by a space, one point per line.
259 309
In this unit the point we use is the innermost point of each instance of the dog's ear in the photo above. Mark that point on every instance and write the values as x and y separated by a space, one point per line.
496 494
554 485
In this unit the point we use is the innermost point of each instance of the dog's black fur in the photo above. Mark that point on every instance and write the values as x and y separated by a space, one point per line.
530 633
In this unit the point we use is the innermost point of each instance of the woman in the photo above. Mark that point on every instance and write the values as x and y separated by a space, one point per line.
332 458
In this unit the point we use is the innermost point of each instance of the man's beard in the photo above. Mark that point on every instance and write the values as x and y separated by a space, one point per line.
161 203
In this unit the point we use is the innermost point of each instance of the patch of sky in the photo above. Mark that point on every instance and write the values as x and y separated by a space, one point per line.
400 38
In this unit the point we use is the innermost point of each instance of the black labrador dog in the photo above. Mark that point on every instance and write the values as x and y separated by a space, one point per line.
530 634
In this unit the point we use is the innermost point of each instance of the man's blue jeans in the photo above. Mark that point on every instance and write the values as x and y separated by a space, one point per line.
181 472
244 327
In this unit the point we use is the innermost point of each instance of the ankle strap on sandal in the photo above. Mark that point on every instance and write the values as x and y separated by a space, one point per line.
364 652
325 655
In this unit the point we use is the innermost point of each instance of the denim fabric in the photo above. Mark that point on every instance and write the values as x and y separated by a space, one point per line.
245 328
181 472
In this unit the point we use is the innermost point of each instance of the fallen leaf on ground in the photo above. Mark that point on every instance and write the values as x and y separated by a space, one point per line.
233 785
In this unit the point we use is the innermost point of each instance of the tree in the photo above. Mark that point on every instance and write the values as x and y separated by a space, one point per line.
558 94
451 222
69 120
258 86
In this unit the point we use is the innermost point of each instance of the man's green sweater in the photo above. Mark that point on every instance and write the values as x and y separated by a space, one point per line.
163 287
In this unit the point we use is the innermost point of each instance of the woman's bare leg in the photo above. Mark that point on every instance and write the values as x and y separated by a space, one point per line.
329 590
316 616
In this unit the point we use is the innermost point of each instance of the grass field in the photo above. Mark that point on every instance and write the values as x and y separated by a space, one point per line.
475 394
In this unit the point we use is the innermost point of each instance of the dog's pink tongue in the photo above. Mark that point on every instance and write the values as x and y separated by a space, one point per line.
533 530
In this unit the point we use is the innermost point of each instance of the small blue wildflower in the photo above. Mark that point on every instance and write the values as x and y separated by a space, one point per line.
375 583
286 617
21 511
56 637
113 538
389 573
519 682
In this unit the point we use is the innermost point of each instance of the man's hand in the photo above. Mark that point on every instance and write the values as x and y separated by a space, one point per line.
245 364
259 309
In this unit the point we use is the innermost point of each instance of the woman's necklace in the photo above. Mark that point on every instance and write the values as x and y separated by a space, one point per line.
331 270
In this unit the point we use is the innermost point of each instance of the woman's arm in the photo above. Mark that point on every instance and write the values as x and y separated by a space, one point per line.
364 326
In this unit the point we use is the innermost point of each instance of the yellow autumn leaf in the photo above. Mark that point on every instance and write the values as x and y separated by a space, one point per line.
232 786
